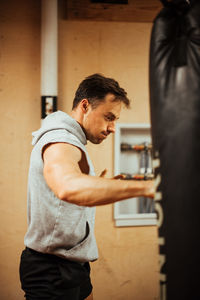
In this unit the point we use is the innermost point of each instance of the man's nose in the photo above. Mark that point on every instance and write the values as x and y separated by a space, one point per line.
111 127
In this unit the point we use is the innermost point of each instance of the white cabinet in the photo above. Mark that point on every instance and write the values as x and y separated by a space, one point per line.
134 211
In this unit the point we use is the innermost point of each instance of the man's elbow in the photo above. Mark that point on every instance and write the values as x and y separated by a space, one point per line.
75 190
71 195
67 194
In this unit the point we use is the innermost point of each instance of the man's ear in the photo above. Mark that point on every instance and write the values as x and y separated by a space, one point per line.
85 105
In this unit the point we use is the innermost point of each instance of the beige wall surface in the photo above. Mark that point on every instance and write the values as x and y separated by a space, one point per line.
19 115
128 265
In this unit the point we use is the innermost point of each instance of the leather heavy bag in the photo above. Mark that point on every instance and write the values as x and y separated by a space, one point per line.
175 118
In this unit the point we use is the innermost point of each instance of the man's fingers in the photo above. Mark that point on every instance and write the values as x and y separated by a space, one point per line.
103 173
120 176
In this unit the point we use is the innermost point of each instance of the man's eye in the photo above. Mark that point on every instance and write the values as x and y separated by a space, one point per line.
108 118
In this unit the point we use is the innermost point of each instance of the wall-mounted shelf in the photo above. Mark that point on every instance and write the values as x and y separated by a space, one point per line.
134 211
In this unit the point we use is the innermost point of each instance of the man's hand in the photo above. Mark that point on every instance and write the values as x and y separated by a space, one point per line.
150 193
103 173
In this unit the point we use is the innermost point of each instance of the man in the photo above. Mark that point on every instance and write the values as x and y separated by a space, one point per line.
63 192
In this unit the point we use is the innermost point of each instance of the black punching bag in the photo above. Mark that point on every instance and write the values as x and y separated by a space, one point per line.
175 118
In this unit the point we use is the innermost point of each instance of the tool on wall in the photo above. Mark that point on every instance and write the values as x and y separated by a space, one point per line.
145 172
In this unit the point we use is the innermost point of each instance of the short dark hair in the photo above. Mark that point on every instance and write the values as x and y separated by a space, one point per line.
95 87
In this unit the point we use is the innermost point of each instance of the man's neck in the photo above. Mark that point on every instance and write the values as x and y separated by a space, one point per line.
76 115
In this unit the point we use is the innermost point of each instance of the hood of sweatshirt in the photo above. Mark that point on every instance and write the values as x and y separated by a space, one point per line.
59 120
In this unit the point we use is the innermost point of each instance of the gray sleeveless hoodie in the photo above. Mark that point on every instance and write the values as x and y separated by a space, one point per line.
55 226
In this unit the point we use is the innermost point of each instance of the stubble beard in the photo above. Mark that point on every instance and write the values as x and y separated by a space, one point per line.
93 139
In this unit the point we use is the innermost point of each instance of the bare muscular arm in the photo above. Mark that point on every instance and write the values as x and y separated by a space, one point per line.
63 175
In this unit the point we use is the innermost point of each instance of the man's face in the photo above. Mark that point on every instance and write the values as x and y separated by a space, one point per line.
100 121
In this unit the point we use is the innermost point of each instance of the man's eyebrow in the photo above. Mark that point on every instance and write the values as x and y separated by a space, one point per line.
110 114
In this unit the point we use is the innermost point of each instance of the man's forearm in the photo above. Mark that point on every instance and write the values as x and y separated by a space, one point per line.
88 190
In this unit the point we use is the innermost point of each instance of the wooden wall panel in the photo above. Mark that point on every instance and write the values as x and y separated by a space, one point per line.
19 116
134 11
